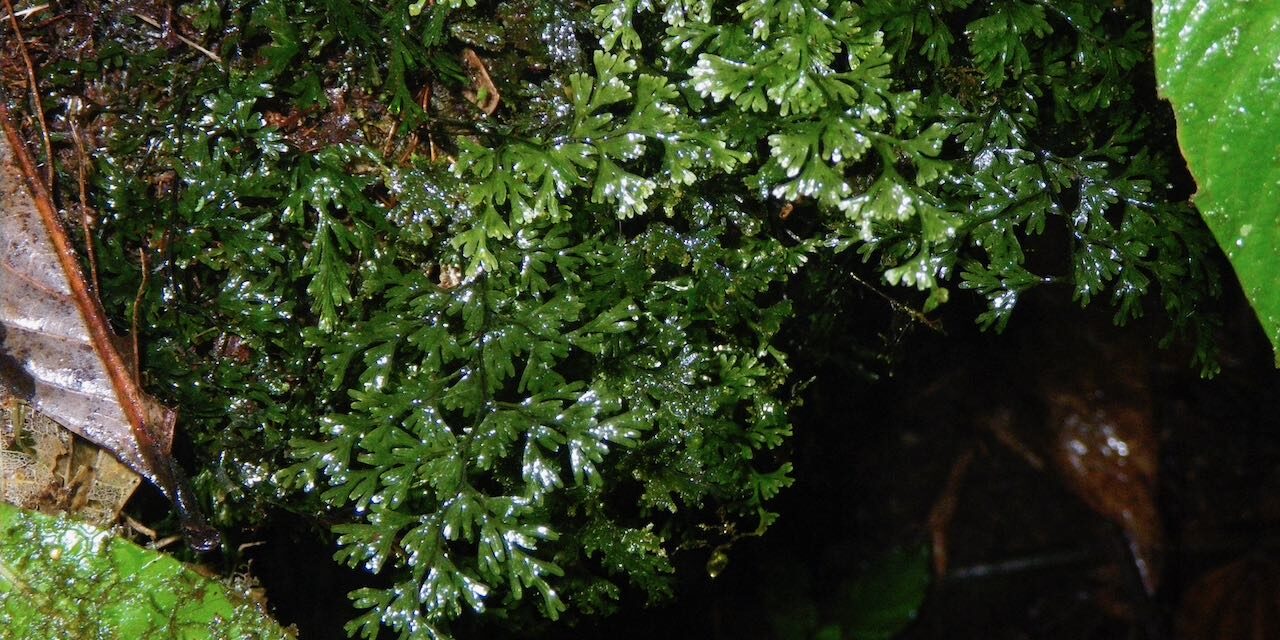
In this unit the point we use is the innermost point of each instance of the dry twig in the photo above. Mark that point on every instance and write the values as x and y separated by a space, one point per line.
35 92
185 40
901 307
29 11
944 510
137 305
139 527
485 94
82 160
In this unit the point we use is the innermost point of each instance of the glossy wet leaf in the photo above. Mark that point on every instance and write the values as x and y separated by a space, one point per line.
63 579
1218 64
887 596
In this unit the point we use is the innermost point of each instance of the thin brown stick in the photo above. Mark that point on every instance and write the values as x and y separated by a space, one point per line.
137 304
1000 424
1037 562
163 542
391 136
187 41
35 92
944 510
139 527
411 147
484 94
29 11
85 212
901 307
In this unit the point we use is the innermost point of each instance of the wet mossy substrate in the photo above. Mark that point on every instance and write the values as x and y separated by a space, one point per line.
870 456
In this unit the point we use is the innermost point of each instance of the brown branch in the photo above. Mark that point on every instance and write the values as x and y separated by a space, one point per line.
187 41
35 92
29 11
901 307
1023 564
1000 424
147 420
485 94
137 304
82 159
944 510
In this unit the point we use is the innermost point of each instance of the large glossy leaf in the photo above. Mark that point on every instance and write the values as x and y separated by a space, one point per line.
64 579
57 351
1219 64
888 595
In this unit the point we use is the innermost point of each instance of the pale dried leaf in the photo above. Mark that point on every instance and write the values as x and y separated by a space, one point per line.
45 467
483 93
47 357
57 352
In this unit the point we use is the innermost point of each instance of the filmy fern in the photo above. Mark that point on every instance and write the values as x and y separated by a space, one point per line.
527 356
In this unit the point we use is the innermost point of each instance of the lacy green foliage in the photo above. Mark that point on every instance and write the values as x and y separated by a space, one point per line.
64 579
470 431
481 414
1058 161
532 373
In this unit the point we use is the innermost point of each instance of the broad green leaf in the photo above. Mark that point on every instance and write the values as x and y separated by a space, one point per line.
1219 65
65 579
887 596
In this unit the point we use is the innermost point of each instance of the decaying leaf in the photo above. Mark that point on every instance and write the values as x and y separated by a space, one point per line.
1105 446
1236 601
57 352
483 94
47 468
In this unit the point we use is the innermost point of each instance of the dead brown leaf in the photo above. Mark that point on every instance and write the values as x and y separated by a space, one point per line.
57 352
483 94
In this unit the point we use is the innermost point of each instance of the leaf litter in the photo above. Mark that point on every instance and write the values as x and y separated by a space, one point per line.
57 351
